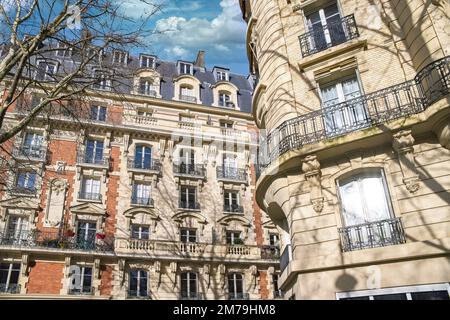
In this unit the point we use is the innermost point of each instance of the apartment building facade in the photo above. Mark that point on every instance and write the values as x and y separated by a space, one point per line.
354 98
147 194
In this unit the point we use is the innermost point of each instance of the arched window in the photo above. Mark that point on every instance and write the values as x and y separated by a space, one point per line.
236 286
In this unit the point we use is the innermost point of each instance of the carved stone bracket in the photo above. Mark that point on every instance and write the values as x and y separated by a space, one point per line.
96 268
403 144
443 133
162 148
313 174
221 270
121 265
24 266
207 274
169 151
173 267
126 144
254 274
157 273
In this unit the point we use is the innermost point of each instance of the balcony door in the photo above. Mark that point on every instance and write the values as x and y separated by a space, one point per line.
345 117
81 281
231 201
17 230
188 197
229 165
326 27
236 286
86 234
94 151
187 160
32 144
143 157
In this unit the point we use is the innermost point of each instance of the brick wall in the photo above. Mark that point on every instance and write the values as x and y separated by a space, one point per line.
45 278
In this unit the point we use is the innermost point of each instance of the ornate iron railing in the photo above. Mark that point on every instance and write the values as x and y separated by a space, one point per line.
23 191
401 100
55 240
92 196
152 164
189 205
12 288
196 170
142 201
235 208
330 35
230 173
371 235
238 296
30 152
87 159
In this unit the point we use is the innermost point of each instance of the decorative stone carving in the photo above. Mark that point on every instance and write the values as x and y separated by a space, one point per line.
157 273
24 264
162 148
206 274
169 151
126 144
121 267
221 270
443 133
403 144
254 274
56 198
313 174
173 272
60 167
96 268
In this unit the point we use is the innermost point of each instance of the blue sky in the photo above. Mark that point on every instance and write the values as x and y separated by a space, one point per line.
186 26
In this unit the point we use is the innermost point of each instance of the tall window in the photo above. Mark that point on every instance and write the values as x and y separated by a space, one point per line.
90 189
189 285
224 99
140 232
9 277
45 71
81 281
274 239
17 230
147 62
138 283
187 161
188 197
347 116
147 87
231 201
98 113
32 144
143 157
26 181
235 286
94 152
86 234
102 80
326 27
233 237
188 235
142 194
276 289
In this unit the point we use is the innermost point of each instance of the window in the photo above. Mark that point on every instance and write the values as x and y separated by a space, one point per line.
17 230
94 152
145 113
32 145
143 157
98 113
142 194
90 189
26 182
9 277
187 119
86 232
45 71
185 68
274 239
225 99
188 235
326 27
147 62
187 161
188 197
233 237
138 283
120 57
63 51
229 161
189 285
102 80
147 87
235 286
231 201
221 76
349 116
276 289
81 280
187 94
140 232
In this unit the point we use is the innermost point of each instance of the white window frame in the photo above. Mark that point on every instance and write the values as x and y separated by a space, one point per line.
184 67
121 56
10 269
228 197
139 277
222 75
87 185
150 61
396 290
140 232
104 82
188 281
233 237
235 281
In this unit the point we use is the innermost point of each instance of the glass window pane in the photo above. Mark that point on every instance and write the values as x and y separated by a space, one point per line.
395 296
430 295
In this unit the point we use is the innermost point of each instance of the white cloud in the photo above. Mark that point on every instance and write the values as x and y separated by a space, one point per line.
143 8
220 36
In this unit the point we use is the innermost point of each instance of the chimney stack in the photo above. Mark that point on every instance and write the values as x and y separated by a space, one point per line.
200 62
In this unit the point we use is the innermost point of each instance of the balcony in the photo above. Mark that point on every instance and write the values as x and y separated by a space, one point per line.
23 191
233 208
142 201
190 170
83 291
11 288
231 174
31 153
366 111
188 205
91 160
145 120
153 165
238 296
372 235
328 36
54 240
186 98
89 196
270 252
192 250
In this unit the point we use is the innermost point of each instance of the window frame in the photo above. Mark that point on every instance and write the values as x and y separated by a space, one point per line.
187 281
12 267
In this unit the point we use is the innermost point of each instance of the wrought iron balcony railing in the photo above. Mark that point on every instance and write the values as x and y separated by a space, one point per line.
55 240
238 296
91 196
150 165
142 201
330 35
371 235
11 288
401 100
234 208
87 159
23 191
82 291
189 205
195 170
230 173
30 153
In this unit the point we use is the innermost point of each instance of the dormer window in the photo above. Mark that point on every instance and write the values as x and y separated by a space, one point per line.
187 94
225 99
221 75
120 57
185 68
147 62
102 80
63 51
147 87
